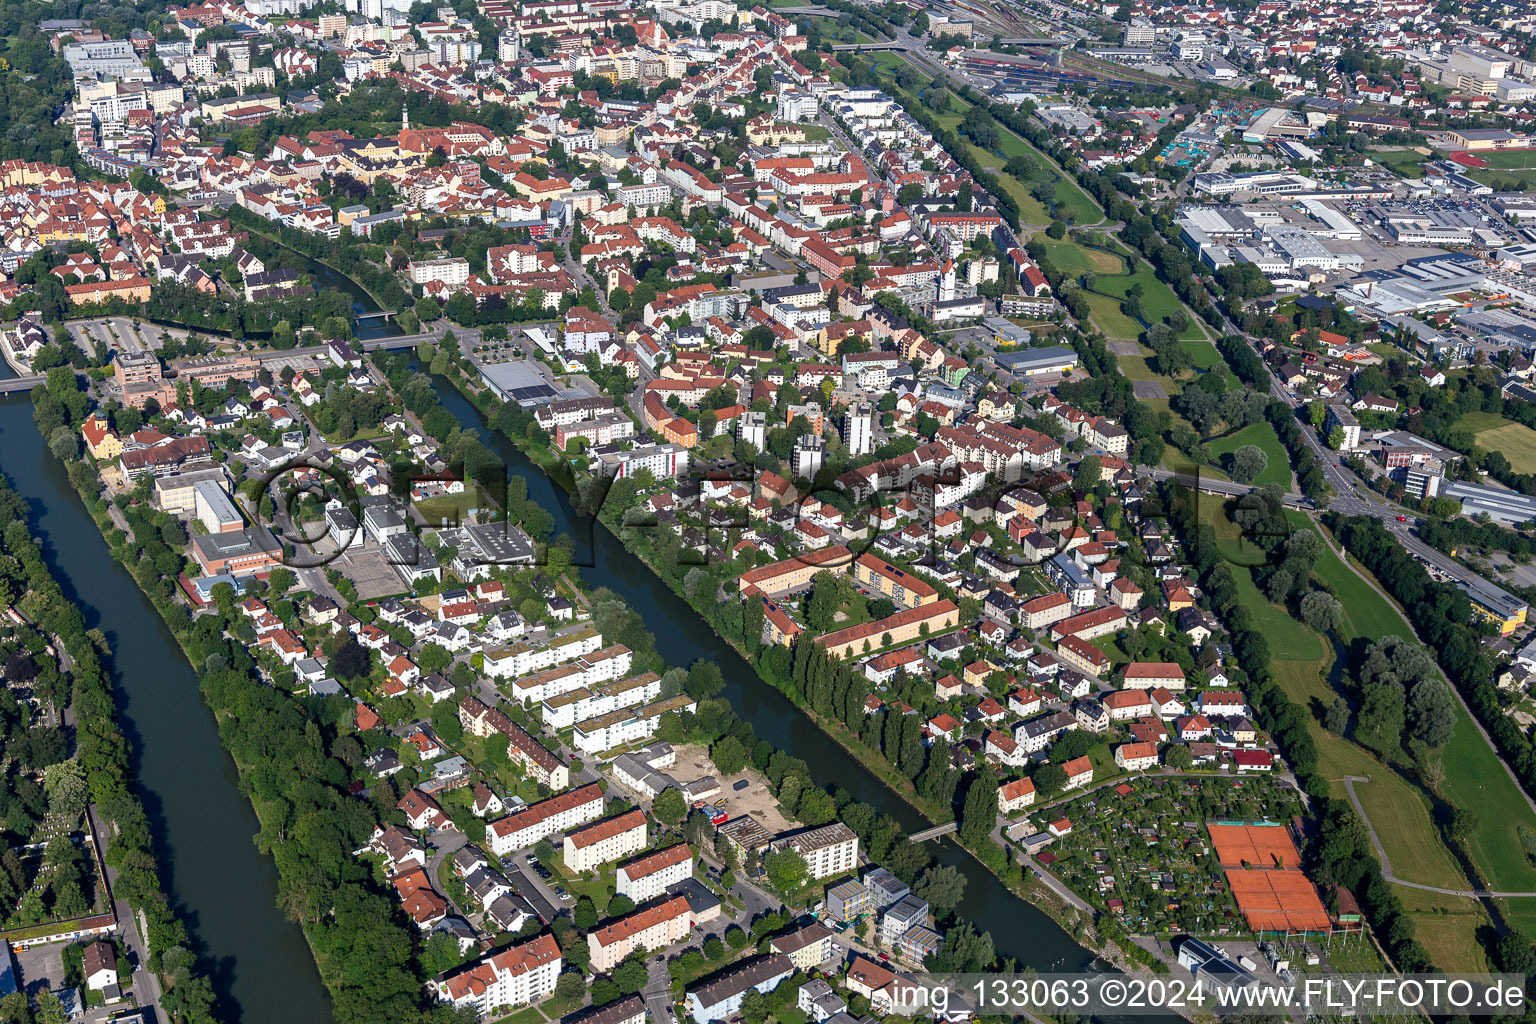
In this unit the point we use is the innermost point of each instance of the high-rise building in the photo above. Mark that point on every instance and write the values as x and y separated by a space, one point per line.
859 429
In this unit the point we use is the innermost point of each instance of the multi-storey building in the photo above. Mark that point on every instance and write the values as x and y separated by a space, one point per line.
519 974
648 877
651 928
595 845
543 819
829 850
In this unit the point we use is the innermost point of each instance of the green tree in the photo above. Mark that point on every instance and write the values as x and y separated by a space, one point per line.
787 871
669 806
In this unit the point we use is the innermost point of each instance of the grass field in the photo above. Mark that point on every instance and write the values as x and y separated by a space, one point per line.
451 507
1302 659
1105 313
1261 435
1403 162
1071 258
1072 203
1503 181
1515 441
1448 927
1475 779
1204 355
1510 159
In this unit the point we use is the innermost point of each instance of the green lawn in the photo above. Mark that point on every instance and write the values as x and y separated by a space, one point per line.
1515 441
1261 435
1107 317
451 507
1475 779
1071 202
1204 355
1301 662
1071 258
1448 927
1403 162
1510 159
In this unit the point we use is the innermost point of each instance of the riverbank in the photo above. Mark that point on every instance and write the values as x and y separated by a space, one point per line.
146 922
260 965
1036 897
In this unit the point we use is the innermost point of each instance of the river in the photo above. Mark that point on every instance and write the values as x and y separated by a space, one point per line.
203 825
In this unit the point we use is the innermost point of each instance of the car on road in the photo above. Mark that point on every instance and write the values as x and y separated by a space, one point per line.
1402 519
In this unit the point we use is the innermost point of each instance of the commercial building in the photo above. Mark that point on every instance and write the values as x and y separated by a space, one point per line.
239 553
1034 362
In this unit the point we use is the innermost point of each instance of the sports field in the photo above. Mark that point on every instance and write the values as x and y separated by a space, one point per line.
1509 159
1515 441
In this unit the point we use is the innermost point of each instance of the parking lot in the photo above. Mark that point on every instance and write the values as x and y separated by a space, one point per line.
369 570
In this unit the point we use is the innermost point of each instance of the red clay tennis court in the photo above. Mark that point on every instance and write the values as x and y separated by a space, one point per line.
1263 872
1278 901
1254 846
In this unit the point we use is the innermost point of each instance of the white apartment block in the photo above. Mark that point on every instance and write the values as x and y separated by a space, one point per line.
652 928
591 668
541 820
581 704
859 429
516 976
605 732
523 658
643 196
587 849
650 876
451 270
829 850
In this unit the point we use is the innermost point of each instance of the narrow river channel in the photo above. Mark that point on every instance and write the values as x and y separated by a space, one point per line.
203 824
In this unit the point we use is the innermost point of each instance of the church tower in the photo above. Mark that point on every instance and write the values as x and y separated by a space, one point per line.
405 118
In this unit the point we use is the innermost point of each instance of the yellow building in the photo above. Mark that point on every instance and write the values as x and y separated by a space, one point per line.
1498 608
100 439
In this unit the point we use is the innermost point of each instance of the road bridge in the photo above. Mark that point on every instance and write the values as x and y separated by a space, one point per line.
18 384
